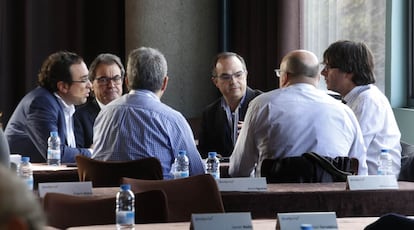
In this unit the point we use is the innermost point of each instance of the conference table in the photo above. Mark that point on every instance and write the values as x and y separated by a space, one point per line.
43 173
313 197
356 223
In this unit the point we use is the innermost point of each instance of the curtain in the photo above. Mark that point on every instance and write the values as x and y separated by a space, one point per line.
262 32
326 21
31 30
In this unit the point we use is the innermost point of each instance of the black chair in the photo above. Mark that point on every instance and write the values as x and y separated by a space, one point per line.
407 162
308 168
194 194
109 173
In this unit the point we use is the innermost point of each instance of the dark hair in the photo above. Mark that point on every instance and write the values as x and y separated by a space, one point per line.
146 69
107 59
225 55
351 57
57 68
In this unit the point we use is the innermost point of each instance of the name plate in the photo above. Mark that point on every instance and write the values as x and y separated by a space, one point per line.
242 184
372 182
318 220
71 188
221 221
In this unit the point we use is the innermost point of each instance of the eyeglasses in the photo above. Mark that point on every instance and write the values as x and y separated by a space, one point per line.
228 77
278 72
326 67
83 80
117 80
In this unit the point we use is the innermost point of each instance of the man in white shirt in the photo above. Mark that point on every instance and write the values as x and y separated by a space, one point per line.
295 119
349 71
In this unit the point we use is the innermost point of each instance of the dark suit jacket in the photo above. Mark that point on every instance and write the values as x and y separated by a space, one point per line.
215 133
84 119
28 129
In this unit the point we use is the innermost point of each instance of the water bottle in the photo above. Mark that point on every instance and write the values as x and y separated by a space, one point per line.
53 149
125 208
181 165
25 172
213 165
385 163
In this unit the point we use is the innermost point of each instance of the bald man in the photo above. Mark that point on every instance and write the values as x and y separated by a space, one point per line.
295 119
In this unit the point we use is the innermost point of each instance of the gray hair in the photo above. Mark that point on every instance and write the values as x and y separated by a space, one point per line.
107 59
16 200
146 69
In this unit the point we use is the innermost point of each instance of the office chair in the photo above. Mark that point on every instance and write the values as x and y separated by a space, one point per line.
185 196
64 211
109 173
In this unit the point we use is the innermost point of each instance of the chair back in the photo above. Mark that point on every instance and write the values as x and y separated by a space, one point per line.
195 194
308 168
109 173
64 211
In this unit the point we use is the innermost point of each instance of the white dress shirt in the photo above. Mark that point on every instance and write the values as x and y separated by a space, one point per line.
378 125
68 111
290 121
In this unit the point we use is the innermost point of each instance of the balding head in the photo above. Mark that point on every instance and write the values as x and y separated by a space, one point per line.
299 66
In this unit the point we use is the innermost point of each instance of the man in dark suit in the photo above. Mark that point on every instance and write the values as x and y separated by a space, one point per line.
107 75
63 82
222 120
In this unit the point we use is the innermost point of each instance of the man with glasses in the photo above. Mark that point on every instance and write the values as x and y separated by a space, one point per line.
107 76
295 119
349 70
222 120
63 83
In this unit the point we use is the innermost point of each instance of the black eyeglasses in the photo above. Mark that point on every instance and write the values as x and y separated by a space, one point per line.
83 80
228 77
117 80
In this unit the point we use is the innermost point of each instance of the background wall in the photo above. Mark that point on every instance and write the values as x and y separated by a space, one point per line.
187 33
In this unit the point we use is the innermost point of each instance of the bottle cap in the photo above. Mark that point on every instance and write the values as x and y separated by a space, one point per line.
385 150
212 154
125 187
182 152
25 159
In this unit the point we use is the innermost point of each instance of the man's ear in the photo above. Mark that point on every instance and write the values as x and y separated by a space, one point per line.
62 86
214 80
164 83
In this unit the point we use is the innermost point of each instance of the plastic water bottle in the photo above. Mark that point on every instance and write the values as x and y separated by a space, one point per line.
26 173
125 208
213 165
385 163
181 165
53 149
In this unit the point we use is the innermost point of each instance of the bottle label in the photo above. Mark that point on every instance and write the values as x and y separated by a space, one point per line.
29 182
125 217
181 174
53 154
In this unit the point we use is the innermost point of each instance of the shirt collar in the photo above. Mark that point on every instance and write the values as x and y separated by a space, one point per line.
144 92
68 109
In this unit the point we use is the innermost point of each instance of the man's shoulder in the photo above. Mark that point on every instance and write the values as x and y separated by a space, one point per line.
88 107
213 106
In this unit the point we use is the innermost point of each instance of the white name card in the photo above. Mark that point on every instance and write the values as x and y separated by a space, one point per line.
221 221
71 188
242 184
318 220
371 182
